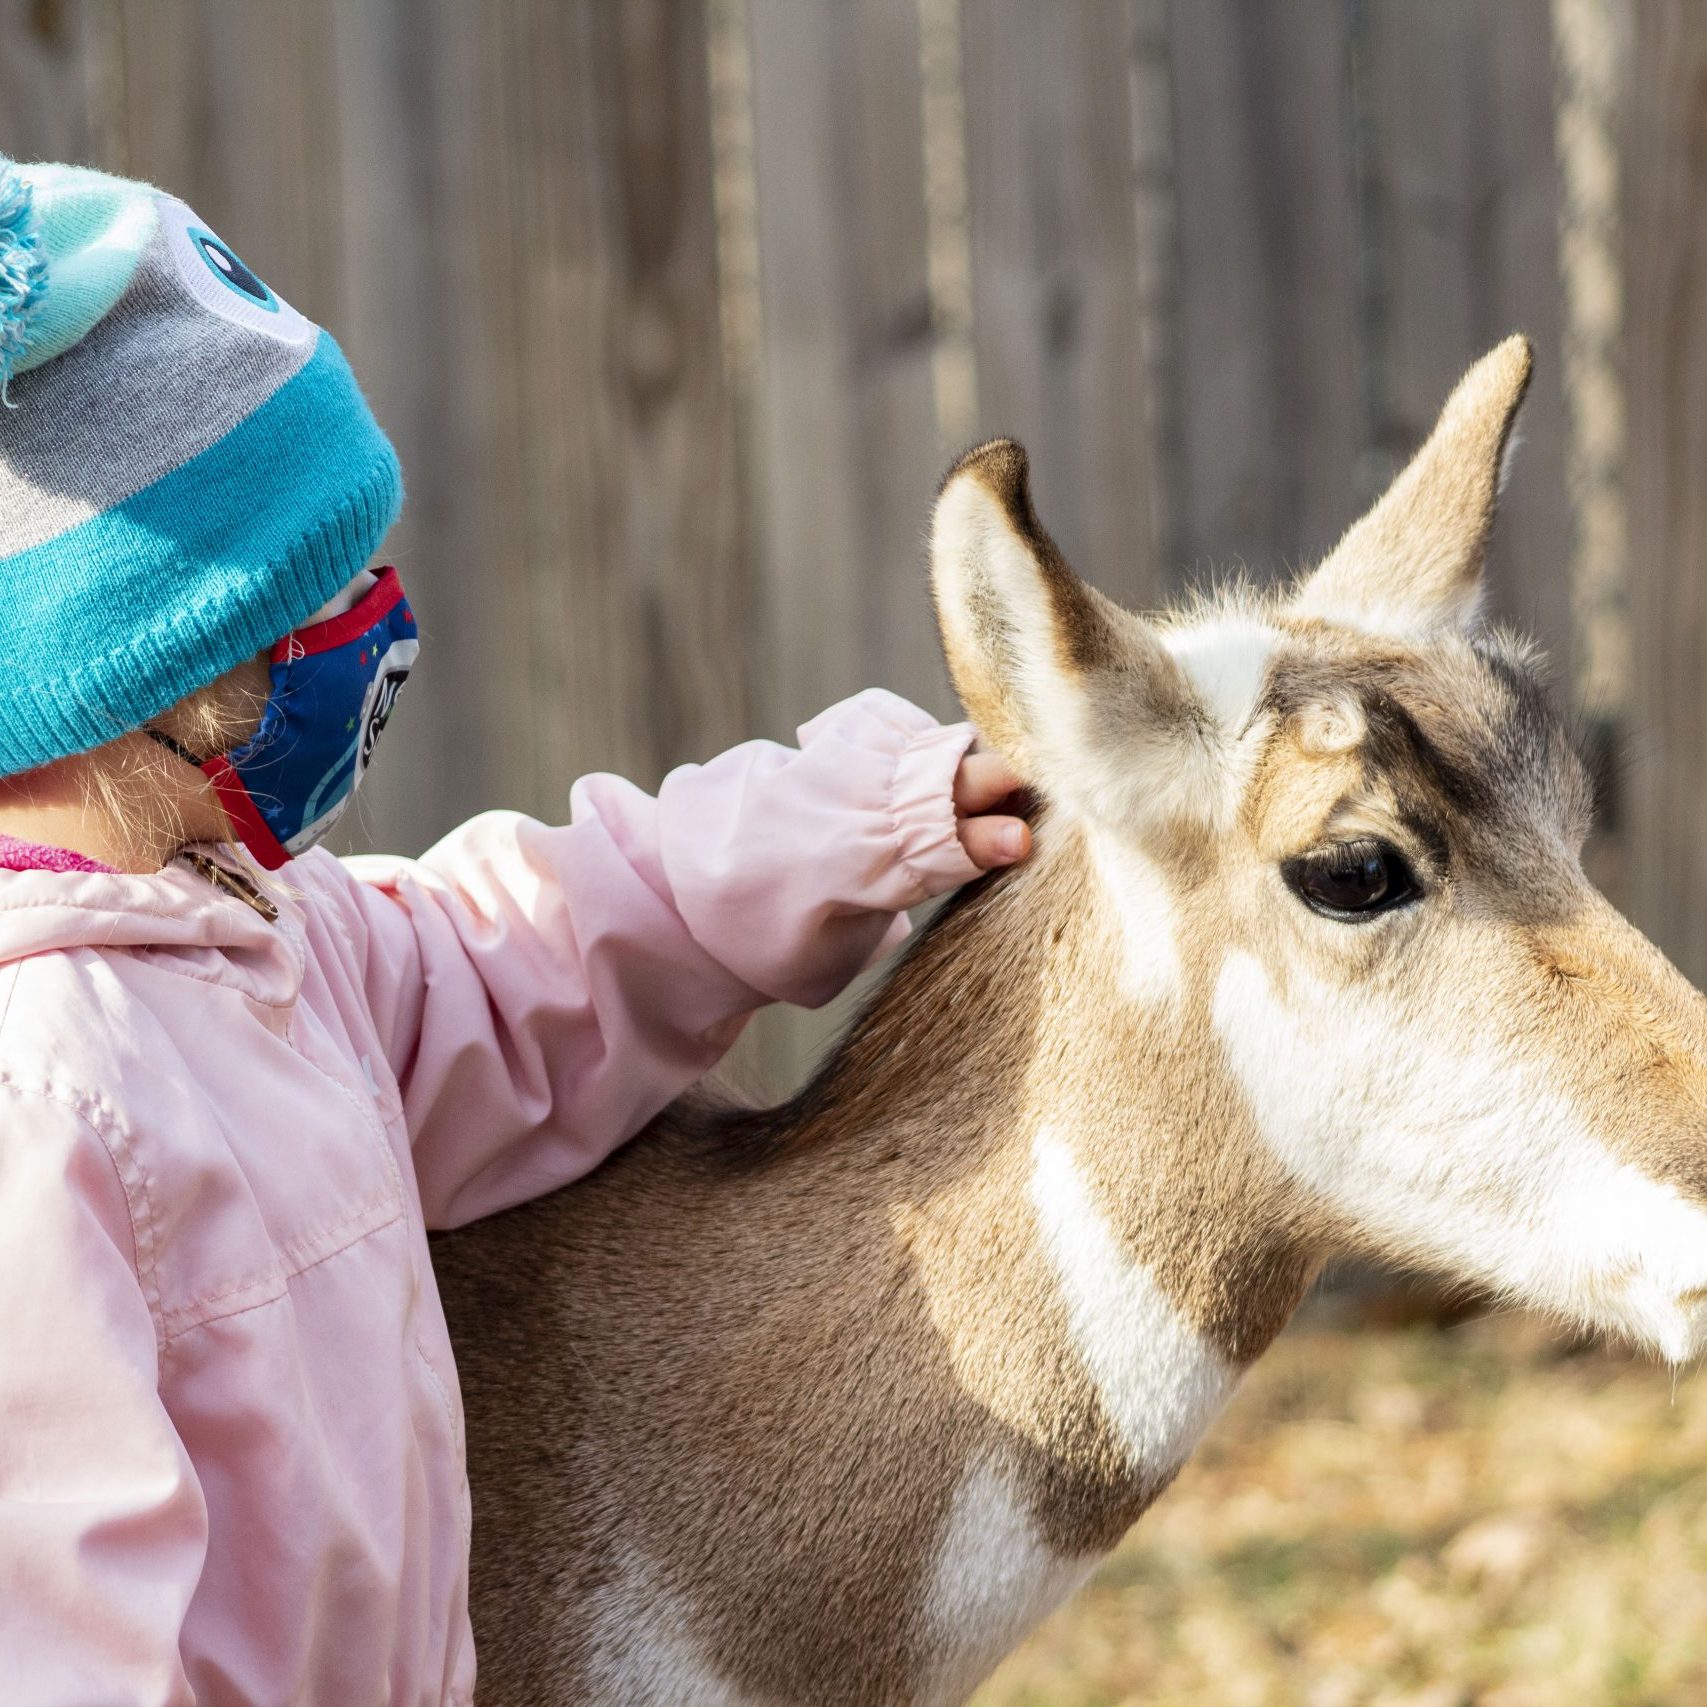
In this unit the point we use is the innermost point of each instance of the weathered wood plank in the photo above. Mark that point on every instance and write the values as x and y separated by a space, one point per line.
1457 99
1055 292
615 520
843 454
844 447
1271 409
1665 189
59 91
409 208
232 108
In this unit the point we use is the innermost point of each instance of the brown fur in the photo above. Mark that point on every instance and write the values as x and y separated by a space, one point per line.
865 1234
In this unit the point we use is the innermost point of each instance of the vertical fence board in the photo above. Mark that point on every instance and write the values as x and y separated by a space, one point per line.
1462 170
53 82
844 422
1158 301
1272 417
1056 327
614 542
1665 189
232 108
410 215
844 439
1530 561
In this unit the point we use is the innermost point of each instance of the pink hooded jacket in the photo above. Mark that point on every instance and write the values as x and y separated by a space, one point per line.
230 1434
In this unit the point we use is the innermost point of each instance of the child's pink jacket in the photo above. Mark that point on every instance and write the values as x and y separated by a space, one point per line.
230 1437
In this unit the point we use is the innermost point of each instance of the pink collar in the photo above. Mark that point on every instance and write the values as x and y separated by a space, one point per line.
33 856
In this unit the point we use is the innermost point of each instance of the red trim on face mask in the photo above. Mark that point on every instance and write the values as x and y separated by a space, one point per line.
372 607
252 829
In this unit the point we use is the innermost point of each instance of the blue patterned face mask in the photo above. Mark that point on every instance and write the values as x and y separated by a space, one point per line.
333 686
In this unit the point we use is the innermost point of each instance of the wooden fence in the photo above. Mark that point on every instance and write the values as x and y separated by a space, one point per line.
676 308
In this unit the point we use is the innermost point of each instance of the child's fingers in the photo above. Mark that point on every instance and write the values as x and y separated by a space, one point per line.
983 780
990 841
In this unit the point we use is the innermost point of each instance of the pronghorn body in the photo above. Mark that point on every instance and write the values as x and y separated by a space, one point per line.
830 1403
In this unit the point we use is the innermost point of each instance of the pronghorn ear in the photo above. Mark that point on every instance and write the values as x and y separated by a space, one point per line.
1413 565
1079 694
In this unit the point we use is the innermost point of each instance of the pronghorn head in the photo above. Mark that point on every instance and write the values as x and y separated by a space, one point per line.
1335 833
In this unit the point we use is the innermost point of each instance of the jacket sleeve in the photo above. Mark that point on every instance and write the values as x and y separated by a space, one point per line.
543 992
102 1523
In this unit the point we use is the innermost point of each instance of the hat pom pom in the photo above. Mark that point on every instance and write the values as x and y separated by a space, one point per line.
23 270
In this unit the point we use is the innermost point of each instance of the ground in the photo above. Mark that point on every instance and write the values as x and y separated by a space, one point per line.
1476 1516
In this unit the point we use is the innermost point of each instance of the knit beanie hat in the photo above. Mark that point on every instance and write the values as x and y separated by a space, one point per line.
188 469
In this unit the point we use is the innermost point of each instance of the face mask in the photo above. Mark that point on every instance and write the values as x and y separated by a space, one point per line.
333 686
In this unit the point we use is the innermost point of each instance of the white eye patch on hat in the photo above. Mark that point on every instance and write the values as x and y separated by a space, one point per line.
221 283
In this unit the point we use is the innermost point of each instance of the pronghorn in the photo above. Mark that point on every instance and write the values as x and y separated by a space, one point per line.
830 1403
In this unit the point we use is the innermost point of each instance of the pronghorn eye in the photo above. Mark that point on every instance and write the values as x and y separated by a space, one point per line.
1350 879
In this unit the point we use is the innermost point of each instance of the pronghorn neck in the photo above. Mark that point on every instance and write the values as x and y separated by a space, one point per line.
1032 1107
1038 1246
833 1402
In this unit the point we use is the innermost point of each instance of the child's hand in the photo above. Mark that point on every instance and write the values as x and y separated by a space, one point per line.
990 839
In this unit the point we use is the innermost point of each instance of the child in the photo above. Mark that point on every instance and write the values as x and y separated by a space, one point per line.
232 1106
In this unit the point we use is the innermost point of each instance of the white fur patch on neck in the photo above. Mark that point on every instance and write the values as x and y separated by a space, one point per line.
1226 660
1139 895
1451 1156
994 1579
1160 1382
642 1652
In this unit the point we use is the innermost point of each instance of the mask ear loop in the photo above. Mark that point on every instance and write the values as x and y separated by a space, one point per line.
176 747
232 882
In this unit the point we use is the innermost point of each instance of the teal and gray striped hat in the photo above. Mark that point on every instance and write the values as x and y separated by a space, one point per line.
188 469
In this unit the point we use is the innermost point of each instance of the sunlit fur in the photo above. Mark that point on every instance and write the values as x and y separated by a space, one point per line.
829 1402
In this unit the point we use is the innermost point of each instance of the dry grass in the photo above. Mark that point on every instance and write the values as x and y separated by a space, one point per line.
1416 1518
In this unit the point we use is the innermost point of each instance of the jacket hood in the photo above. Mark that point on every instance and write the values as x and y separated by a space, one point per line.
175 911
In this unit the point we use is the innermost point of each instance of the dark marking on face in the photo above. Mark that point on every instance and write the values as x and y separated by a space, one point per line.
1469 727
